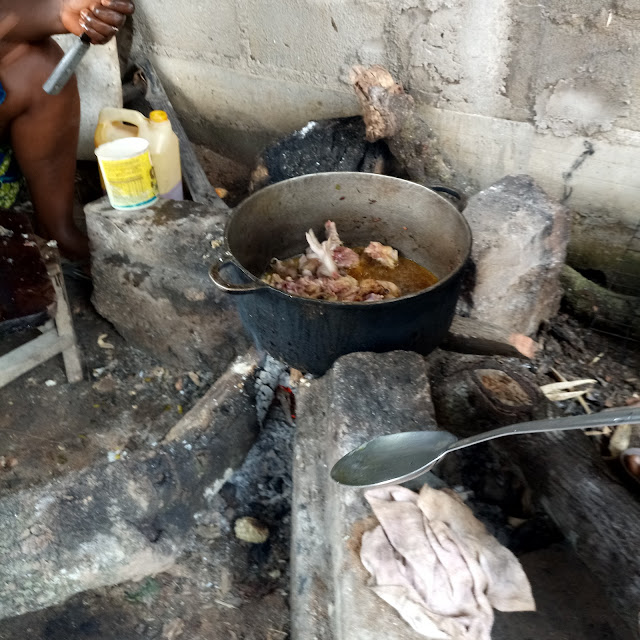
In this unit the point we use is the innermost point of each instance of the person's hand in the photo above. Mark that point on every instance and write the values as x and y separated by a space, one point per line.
99 19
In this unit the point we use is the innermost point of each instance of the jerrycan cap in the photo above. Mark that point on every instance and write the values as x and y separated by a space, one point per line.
158 116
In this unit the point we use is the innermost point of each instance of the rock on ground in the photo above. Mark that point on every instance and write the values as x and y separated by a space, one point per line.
362 396
150 274
520 238
127 519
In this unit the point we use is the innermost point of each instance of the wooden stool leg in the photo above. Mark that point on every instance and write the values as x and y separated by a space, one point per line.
64 327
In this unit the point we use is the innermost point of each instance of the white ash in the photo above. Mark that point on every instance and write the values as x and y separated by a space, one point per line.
272 373
307 127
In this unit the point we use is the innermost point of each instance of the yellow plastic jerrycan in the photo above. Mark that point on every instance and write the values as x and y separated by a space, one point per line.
164 146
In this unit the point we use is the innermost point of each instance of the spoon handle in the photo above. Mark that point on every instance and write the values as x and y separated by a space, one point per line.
600 419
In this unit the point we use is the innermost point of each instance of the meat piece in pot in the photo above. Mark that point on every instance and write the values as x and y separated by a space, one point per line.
284 268
342 289
345 258
333 239
323 253
378 288
385 255
332 272
308 266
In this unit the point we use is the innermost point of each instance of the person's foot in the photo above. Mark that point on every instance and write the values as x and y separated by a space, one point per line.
77 270
73 244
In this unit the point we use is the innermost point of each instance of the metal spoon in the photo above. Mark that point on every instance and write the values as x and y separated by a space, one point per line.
401 457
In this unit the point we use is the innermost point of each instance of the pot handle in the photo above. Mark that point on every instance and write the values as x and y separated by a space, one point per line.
221 283
450 192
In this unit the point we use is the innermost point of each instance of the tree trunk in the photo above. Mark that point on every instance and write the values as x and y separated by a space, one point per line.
618 313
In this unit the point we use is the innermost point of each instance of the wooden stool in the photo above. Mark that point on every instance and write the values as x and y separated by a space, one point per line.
33 294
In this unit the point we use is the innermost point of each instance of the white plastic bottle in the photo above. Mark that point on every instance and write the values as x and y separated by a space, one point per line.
165 156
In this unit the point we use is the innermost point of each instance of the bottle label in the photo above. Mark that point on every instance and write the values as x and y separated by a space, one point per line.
130 182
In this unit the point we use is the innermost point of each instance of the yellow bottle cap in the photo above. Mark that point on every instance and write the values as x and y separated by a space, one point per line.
158 116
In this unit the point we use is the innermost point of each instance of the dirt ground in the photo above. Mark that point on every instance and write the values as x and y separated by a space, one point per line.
127 400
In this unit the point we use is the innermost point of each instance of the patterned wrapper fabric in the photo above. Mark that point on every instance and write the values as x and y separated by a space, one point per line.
10 178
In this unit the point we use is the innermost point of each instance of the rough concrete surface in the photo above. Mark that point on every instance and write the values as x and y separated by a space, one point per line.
156 261
520 238
336 413
126 519
507 87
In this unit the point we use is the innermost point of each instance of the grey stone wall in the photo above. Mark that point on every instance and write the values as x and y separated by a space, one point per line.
509 86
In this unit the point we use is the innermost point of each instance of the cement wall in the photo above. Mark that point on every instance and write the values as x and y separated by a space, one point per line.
99 85
508 85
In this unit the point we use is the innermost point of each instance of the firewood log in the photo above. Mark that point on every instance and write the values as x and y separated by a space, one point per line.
597 513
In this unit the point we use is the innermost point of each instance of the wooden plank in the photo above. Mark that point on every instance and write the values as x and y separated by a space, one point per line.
467 335
199 186
32 354
64 326
615 312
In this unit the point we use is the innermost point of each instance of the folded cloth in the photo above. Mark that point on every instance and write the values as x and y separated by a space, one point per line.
435 563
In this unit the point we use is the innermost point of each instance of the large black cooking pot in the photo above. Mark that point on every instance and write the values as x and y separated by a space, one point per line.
311 334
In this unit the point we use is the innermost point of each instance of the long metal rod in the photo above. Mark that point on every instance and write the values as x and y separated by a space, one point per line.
58 79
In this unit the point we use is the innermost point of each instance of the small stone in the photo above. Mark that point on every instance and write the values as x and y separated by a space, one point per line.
251 530
50 383
173 629
8 462
105 385
195 378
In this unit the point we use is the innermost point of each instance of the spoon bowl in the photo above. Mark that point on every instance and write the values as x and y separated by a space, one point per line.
400 457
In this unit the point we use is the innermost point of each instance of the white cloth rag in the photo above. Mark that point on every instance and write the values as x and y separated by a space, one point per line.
437 565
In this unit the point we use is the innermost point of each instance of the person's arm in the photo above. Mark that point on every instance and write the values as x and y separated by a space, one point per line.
34 20
30 20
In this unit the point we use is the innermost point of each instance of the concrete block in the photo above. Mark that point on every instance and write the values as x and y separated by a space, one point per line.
123 520
319 38
362 396
99 86
150 276
194 26
520 238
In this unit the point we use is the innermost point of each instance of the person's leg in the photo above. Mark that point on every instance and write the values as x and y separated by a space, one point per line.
44 136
